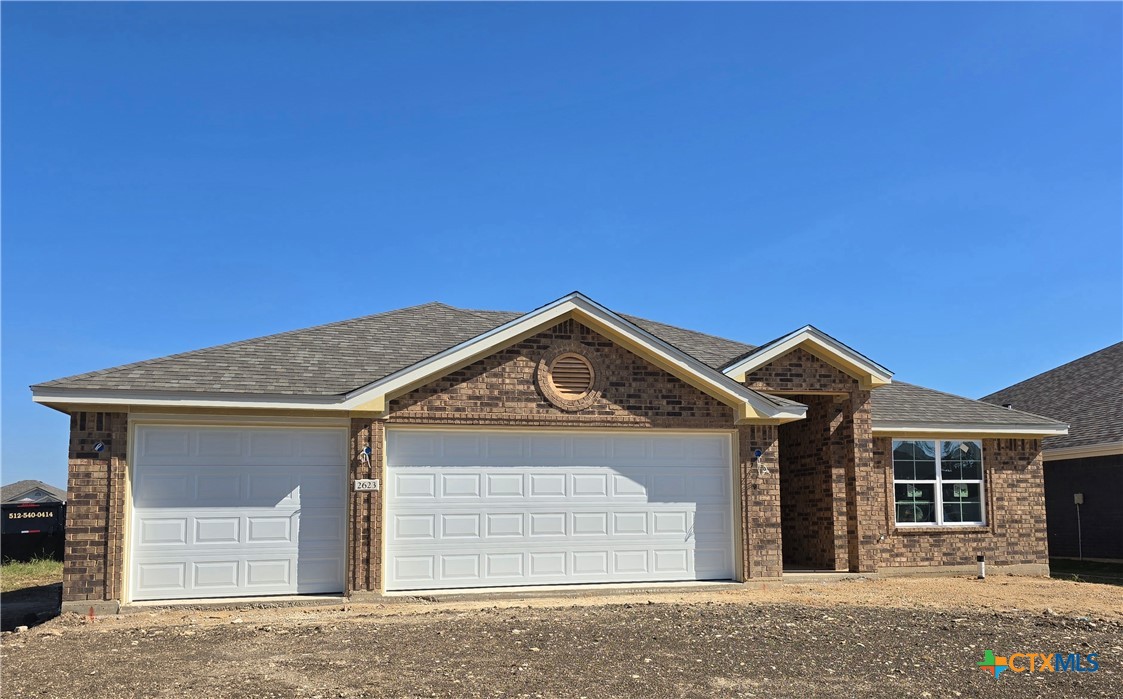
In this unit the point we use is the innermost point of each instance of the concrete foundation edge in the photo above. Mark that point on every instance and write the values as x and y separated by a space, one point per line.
1026 569
99 607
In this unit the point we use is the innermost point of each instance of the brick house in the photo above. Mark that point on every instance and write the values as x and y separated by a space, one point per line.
1084 468
434 447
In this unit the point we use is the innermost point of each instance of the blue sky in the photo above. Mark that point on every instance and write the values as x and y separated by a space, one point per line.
938 185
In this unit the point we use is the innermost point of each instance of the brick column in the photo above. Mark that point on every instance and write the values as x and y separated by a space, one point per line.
95 509
865 490
364 556
760 503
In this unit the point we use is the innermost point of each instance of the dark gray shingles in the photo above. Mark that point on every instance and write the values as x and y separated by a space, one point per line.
1086 393
905 402
324 360
339 357
709 349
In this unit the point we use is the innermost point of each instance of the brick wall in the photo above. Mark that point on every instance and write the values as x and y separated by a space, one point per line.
760 502
364 552
813 484
1015 531
501 390
95 509
832 539
799 371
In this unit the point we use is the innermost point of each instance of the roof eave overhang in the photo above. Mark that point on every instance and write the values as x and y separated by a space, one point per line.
937 430
1087 451
751 406
66 399
870 374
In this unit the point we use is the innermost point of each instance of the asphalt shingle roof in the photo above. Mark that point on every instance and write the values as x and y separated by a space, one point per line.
334 359
324 360
1086 393
906 402
13 491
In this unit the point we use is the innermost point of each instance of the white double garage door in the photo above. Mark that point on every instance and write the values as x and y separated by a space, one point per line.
226 512
487 509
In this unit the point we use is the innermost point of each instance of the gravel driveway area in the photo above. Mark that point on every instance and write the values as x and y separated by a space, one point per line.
732 645
870 638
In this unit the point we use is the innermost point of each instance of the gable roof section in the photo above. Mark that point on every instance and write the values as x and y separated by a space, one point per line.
750 404
317 366
1086 392
906 409
868 372
18 491
355 365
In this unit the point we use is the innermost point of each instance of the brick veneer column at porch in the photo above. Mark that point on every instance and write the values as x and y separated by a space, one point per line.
95 508
760 502
865 490
364 555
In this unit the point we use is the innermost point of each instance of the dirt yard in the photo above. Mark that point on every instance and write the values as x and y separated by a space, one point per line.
878 638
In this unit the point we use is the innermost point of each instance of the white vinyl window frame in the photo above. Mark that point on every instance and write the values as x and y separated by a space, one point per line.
939 482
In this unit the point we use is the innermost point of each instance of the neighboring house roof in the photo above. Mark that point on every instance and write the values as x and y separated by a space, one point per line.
1087 393
31 491
342 358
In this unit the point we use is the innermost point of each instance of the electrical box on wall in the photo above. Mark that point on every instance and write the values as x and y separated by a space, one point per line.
366 484
1078 498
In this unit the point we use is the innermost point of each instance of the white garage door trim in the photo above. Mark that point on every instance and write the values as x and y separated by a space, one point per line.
234 511
496 508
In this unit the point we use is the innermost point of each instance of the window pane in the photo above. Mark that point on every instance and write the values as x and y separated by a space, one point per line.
961 460
914 460
915 502
926 469
963 502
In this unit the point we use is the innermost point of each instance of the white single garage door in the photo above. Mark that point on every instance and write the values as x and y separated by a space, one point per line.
226 512
487 509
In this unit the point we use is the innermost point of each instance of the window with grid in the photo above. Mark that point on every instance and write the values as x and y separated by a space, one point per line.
938 482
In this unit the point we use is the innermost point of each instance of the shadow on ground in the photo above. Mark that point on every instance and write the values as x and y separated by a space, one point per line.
1086 571
29 606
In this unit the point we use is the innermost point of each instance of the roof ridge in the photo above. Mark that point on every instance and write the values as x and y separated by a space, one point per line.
235 343
979 400
629 316
1050 371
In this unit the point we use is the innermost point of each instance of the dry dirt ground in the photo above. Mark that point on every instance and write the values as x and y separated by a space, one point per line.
876 638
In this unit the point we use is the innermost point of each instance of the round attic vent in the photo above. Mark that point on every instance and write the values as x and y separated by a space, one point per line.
571 376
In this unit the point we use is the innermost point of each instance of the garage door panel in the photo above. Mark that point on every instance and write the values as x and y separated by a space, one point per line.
215 574
160 488
217 530
460 485
504 524
505 485
161 531
169 577
482 509
223 512
460 526
319 574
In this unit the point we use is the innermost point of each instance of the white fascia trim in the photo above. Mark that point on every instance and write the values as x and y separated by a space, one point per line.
894 428
48 396
1083 452
879 374
508 332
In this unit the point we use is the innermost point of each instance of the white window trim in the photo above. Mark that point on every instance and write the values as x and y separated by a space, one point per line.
939 483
